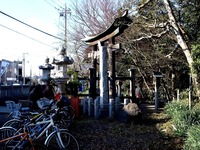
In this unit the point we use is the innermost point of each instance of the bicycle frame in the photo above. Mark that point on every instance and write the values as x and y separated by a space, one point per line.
47 124
23 137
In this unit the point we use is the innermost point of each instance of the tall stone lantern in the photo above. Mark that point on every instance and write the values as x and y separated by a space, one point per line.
61 75
46 70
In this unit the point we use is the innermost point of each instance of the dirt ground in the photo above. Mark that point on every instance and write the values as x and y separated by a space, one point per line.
110 134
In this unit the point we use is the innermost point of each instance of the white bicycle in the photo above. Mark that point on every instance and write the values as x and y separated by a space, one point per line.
46 126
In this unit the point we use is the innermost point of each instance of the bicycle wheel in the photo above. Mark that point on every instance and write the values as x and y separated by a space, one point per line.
36 144
71 111
39 145
68 114
61 139
6 132
15 123
9 117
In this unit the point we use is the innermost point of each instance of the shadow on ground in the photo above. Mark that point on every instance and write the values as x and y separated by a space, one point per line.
109 134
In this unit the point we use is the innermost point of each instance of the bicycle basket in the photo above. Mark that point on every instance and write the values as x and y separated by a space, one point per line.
43 103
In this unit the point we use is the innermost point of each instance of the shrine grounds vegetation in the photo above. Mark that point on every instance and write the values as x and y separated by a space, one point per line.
185 122
175 128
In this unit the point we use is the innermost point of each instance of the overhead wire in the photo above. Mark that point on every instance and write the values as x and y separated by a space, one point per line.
57 4
26 36
31 26
61 2
52 5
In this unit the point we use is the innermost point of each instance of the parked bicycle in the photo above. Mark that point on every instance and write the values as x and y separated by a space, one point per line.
47 125
10 138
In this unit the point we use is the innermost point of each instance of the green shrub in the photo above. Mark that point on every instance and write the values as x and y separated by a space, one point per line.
183 120
173 107
196 106
184 94
192 142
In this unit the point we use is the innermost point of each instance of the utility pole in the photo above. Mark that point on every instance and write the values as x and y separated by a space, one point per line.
65 13
23 67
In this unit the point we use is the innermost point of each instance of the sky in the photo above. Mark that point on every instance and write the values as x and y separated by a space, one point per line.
41 14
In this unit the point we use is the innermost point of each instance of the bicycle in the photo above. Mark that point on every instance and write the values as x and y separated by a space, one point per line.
58 139
10 138
66 115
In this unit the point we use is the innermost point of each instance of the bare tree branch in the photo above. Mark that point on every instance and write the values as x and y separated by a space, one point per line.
150 36
143 5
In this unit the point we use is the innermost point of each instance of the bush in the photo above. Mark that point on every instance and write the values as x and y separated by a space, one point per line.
192 142
182 117
183 120
72 87
173 107
196 106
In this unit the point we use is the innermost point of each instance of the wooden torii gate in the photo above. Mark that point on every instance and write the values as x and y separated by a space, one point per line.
105 43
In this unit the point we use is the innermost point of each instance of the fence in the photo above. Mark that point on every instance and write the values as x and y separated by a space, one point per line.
13 92
92 107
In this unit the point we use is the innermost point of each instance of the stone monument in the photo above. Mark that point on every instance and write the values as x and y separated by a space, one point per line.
61 75
46 70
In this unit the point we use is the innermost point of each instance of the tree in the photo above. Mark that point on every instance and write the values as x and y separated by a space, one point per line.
90 17
159 39
196 58
158 22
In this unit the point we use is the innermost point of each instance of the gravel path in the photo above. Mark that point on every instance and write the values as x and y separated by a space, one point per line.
107 134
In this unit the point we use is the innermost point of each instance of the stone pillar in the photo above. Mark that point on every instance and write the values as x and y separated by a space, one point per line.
90 106
103 76
156 95
61 85
96 108
111 108
92 89
132 84
119 88
85 105
117 103
113 85
126 101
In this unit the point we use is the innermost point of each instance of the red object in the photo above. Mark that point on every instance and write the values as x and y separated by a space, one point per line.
75 104
57 96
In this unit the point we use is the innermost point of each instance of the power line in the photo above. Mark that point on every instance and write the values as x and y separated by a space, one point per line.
31 26
61 2
52 5
26 36
57 4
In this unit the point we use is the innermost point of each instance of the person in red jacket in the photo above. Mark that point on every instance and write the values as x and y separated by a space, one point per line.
138 94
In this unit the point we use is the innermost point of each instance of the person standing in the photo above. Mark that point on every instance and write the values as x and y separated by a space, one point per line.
138 94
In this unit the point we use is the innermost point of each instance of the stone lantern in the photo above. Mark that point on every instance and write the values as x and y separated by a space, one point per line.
61 75
46 70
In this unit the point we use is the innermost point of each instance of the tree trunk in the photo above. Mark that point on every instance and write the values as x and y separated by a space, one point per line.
182 43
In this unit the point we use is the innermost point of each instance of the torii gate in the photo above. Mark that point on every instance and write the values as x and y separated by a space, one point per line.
98 42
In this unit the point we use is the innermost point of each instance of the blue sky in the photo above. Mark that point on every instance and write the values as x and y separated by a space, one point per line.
37 13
